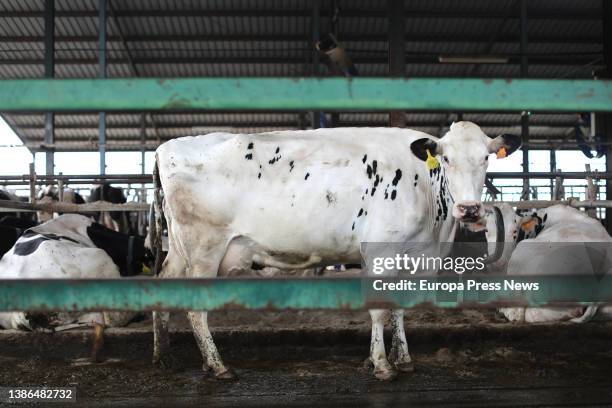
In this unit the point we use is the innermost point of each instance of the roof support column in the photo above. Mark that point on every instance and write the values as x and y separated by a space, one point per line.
49 73
102 67
397 52
315 24
603 121
524 114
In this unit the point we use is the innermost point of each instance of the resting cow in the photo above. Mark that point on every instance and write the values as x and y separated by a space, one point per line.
70 246
303 199
544 242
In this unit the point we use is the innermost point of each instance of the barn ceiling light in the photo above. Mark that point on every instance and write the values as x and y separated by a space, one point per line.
472 59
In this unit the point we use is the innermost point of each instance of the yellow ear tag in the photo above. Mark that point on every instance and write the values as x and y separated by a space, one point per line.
501 152
431 162
528 225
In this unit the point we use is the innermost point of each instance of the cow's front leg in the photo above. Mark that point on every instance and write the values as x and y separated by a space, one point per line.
210 354
399 355
378 357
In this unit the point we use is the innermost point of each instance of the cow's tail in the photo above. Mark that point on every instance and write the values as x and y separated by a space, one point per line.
156 227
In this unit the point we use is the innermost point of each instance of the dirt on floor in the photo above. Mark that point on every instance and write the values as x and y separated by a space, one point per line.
305 358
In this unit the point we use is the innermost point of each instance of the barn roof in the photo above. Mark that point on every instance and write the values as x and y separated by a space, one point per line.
186 38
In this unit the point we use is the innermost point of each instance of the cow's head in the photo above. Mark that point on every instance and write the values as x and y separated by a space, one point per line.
464 152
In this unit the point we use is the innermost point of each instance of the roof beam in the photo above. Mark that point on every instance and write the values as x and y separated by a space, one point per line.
463 13
564 60
291 37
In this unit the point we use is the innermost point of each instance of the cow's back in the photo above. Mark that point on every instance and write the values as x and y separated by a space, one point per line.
315 188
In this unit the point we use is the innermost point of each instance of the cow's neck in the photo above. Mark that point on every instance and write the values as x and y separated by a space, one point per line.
439 206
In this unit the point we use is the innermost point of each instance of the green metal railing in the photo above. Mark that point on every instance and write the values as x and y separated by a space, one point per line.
371 94
277 294
367 94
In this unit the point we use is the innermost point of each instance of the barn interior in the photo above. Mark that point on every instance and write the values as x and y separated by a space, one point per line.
466 356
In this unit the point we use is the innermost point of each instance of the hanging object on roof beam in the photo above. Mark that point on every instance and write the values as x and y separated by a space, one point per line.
337 58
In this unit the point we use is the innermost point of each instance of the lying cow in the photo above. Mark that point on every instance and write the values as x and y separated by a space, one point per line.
11 228
303 199
527 239
70 246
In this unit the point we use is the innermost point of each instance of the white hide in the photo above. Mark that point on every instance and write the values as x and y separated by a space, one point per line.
563 226
305 198
62 259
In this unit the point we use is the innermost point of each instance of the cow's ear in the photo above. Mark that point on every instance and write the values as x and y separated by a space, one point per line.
504 145
421 146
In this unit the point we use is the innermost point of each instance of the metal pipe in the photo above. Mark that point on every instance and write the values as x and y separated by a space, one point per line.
57 206
49 73
102 75
524 114
279 294
291 94
524 205
315 22
397 52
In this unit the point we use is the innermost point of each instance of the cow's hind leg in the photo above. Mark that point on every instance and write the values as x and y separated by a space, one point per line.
206 265
212 358
378 356
174 266
399 355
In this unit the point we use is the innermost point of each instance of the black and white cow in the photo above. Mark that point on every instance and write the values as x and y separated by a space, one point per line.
70 246
545 242
12 224
11 229
116 220
50 194
299 199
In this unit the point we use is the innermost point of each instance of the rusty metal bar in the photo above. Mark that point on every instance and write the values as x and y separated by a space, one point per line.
290 94
56 206
279 294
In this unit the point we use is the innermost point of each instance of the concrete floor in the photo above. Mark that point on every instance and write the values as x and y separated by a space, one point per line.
462 358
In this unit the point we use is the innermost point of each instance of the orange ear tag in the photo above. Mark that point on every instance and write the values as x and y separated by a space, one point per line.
528 225
501 152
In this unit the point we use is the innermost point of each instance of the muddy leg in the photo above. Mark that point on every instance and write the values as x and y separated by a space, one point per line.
378 357
161 339
210 354
98 342
399 355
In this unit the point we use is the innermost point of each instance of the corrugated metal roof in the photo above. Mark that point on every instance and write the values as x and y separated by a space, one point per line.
180 38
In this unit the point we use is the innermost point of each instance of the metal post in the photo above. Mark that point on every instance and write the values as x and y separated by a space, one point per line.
604 120
524 114
102 66
315 23
32 182
49 73
397 52
553 168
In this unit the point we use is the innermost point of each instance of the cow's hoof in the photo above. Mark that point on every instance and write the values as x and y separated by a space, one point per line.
368 364
226 375
385 375
404 366
82 362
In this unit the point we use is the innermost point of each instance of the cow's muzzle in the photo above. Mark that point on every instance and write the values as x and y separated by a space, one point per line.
468 211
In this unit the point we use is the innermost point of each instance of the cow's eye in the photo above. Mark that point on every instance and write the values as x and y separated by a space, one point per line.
487 158
445 159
